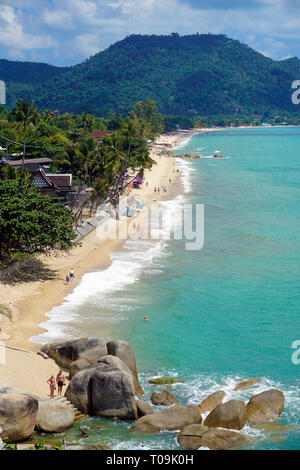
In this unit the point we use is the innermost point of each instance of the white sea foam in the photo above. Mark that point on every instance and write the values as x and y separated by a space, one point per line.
96 288
186 169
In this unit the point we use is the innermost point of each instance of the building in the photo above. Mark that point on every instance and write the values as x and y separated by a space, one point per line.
31 164
55 185
98 135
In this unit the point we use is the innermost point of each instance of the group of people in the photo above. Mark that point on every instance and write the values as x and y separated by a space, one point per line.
60 381
70 276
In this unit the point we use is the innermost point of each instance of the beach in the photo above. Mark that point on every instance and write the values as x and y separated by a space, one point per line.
30 301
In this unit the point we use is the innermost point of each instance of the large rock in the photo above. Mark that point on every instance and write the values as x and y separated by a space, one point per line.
119 364
246 384
143 408
231 415
66 352
190 436
54 416
164 398
124 351
223 439
103 390
265 406
210 402
18 415
171 419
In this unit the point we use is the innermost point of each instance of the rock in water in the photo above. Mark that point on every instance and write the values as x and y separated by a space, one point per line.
143 408
117 362
170 419
265 406
164 381
211 401
164 398
231 415
54 416
66 352
104 391
246 384
124 351
190 437
18 415
223 439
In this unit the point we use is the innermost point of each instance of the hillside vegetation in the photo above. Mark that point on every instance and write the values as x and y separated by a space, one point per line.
189 75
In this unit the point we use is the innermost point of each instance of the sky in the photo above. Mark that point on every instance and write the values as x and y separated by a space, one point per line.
66 32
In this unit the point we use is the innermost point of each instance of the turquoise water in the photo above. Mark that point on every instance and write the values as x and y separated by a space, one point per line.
222 314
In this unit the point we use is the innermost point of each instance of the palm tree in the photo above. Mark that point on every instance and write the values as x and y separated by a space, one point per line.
27 114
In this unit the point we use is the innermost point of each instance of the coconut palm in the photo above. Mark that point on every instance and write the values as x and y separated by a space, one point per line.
26 114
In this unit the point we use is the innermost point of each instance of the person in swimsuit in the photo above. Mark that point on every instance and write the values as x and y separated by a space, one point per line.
52 386
60 380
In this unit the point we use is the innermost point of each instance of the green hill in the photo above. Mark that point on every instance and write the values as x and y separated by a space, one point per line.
186 75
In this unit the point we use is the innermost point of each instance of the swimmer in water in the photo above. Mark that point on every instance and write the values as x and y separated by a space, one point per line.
145 318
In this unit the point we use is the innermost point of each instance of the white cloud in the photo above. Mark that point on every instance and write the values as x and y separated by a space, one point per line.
75 29
13 36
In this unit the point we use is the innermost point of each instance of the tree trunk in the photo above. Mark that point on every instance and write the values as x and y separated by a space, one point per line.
24 153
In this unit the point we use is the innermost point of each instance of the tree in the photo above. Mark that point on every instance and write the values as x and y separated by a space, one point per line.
148 121
31 222
26 114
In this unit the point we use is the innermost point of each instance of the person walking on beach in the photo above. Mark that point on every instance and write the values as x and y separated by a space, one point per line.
72 274
60 380
52 386
67 279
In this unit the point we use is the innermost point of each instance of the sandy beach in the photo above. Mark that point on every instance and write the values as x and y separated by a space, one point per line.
30 301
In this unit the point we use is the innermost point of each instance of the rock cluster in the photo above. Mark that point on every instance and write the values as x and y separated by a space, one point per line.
104 383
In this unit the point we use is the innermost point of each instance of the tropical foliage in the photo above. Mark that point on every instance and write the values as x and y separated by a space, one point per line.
195 75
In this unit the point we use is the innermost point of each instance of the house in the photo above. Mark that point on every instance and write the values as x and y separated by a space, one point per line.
55 185
31 164
99 134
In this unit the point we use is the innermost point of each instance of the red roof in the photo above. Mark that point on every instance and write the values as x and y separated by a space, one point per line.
99 134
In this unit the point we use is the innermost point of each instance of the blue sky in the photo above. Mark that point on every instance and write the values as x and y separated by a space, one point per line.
65 32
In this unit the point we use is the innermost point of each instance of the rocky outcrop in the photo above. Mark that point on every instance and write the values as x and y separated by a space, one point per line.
119 364
67 352
164 398
230 415
246 384
189 155
265 406
194 436
171 419
104 391
190 437
212 401
223 439
143 408
17 416
54 416
124 351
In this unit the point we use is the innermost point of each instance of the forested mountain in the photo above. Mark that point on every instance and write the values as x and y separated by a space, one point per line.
186 75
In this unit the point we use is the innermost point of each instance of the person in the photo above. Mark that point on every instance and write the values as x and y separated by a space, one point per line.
67 279
72 274
60 380
52 386
145 318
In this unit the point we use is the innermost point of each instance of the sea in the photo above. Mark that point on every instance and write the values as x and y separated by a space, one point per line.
218 315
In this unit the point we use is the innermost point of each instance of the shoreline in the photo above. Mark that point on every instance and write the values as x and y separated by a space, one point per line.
31 301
